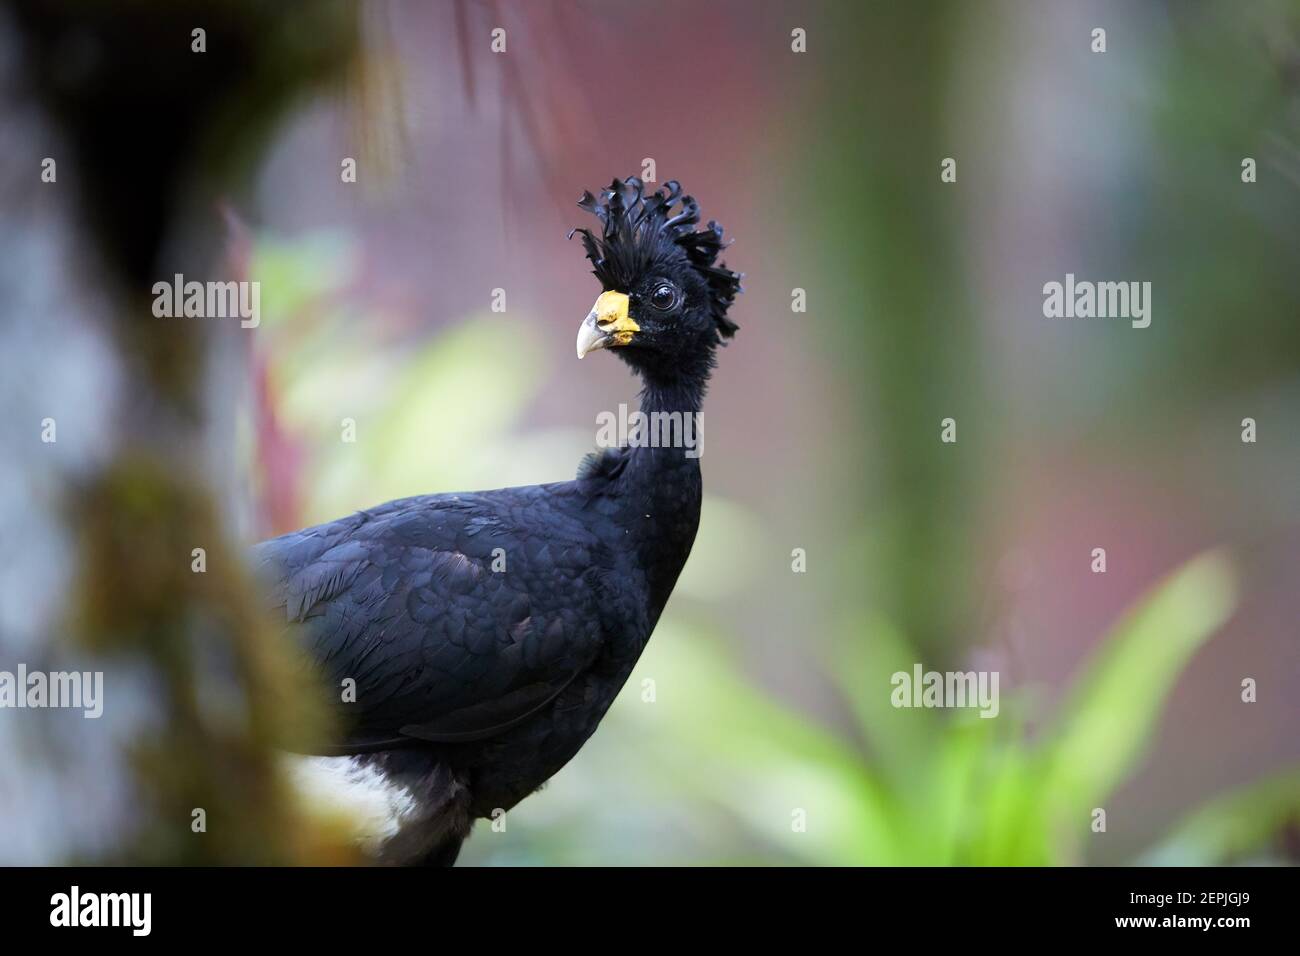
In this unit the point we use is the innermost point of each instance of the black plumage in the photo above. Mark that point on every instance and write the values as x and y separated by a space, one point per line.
488 633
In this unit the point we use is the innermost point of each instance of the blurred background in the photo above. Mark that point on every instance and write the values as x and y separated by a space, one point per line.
757 727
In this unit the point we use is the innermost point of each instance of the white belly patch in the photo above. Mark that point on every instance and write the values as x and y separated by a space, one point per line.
372 804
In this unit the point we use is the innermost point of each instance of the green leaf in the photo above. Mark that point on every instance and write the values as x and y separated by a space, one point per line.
868 653
1111 714
1235 828
443 420
762 762
300 271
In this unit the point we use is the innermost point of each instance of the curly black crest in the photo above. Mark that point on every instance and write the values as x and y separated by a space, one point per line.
640 230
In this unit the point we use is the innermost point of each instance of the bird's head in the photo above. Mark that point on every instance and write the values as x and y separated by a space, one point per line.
665 299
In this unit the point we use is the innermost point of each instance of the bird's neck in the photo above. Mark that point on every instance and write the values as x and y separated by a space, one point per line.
684 395
661 487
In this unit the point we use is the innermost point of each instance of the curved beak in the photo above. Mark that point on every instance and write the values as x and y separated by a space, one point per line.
607 324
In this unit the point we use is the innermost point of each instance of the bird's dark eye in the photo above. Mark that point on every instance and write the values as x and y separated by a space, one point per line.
664 297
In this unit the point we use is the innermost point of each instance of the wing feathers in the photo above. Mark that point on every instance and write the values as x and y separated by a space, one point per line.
408 602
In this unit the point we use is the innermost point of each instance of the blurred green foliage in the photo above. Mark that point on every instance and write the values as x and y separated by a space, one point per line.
943 790
1256 824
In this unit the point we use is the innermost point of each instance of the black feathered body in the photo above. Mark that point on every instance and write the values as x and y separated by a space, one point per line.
473 686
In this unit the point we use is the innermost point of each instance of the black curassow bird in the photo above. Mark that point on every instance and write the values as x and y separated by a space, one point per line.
488 633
